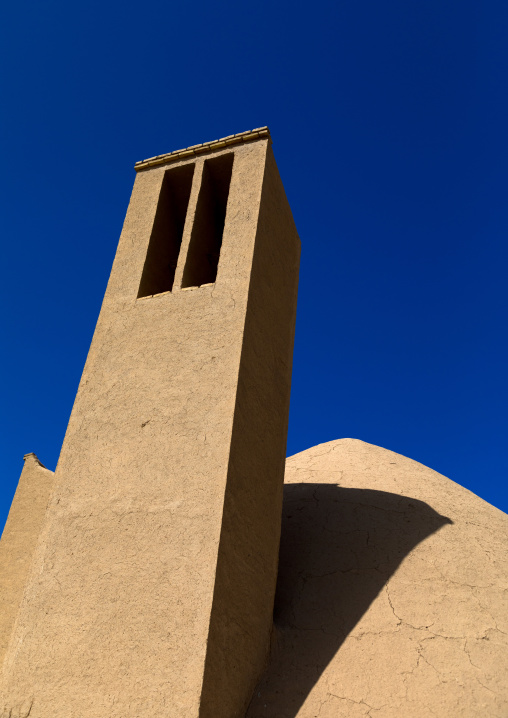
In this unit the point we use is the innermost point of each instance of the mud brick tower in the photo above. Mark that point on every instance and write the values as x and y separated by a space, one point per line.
151 589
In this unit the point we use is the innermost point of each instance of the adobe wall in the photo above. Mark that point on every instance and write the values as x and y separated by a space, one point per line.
157 481
19 539
392 595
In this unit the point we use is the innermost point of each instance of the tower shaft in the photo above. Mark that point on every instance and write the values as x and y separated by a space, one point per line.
153 581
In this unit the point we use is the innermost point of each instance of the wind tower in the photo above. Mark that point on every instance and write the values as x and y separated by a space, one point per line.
151 588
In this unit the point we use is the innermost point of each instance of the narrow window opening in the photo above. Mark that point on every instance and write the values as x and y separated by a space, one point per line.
166 238
206 238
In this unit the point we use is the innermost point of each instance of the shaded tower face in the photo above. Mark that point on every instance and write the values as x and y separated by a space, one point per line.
152 586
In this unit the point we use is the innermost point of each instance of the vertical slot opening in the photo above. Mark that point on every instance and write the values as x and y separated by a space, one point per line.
206 237
166 238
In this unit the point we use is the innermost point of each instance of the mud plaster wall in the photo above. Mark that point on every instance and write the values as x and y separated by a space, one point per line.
116 618
392 595
19 540
248 556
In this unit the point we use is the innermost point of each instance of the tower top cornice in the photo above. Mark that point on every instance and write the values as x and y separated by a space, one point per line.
194 150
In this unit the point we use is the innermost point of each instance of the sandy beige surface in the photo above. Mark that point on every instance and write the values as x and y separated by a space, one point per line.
19 540
154 577
392 593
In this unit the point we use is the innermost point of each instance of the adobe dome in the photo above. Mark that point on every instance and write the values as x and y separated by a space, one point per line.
392 593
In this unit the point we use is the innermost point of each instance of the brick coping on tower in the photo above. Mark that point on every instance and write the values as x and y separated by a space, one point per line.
259 132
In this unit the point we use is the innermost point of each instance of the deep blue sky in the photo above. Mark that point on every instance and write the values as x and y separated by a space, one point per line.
389 121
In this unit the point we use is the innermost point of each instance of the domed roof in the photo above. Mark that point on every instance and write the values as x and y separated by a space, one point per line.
392 593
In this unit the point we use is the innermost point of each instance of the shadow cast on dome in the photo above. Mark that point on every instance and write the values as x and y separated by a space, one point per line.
339 547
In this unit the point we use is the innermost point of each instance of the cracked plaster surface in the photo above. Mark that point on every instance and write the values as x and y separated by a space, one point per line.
392 596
